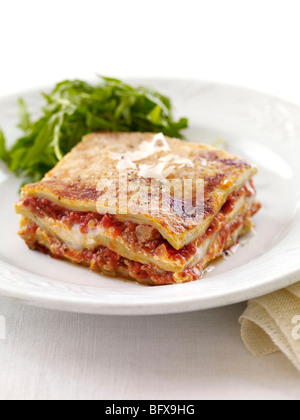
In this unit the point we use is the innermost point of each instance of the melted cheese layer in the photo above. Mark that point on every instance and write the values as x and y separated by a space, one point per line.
100 236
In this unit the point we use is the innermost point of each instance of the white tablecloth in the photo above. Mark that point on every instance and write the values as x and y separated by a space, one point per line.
56 355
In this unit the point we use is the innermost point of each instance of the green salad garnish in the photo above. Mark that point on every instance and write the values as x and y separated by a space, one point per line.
75 108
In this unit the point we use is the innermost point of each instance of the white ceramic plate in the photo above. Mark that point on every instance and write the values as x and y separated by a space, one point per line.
263 130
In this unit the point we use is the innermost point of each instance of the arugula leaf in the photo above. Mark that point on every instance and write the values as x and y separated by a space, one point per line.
75 108
25 121
4 155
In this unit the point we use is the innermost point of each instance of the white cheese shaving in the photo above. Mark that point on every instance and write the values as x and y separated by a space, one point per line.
124 164
155 172
167 172
160 137
177 160
145 150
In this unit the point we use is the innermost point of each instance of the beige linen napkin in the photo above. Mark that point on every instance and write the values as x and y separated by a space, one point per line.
272 323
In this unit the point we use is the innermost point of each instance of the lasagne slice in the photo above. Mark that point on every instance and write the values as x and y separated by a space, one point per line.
140 206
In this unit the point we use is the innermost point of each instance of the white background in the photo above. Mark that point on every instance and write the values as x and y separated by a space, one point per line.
250 43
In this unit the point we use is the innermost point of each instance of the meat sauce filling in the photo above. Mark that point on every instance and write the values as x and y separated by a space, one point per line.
104 260
137 236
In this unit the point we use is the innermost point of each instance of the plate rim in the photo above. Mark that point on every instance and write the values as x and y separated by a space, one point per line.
186 304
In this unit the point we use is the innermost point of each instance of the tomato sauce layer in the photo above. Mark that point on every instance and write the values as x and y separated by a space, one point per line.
109 262
137 237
